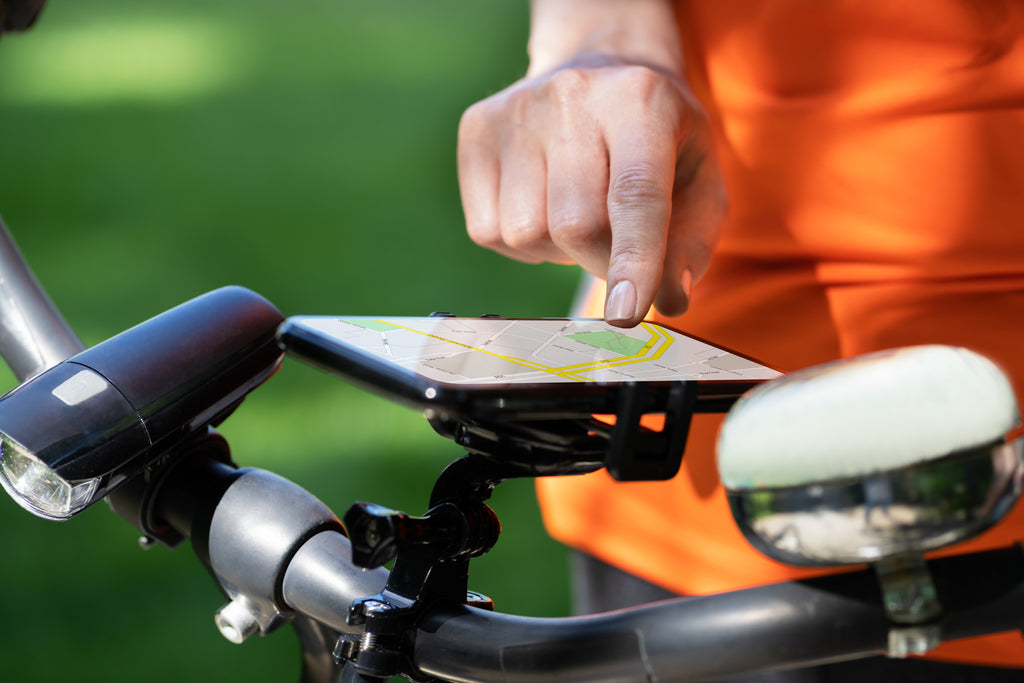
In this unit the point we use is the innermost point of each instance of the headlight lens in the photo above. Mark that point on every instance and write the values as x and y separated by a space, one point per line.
38 488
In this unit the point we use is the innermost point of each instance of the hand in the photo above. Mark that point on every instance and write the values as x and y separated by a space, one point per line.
602 163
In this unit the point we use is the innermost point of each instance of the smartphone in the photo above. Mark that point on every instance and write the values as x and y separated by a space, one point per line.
518 368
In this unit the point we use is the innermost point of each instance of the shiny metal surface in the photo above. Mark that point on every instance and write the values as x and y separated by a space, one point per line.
322 582
259 524
909 510
33 334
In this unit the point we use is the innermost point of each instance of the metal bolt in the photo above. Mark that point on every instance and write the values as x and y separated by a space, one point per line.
236 621
346 648
369 641
913 640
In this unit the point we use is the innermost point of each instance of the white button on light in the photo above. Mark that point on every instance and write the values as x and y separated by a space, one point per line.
80 387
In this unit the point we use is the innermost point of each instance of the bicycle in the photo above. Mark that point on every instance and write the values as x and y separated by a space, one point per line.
282 557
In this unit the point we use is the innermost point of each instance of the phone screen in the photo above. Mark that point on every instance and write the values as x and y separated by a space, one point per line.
477 363
477 351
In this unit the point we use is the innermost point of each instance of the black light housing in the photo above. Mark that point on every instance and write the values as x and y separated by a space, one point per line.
74 433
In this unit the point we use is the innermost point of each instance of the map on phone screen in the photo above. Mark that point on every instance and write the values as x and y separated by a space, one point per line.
532 351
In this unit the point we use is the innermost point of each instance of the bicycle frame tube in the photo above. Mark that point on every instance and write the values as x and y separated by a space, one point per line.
33 334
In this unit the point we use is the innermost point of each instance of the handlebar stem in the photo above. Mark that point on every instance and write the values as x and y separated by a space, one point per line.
260 523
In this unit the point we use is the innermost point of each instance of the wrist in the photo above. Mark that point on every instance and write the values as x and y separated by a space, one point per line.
593 32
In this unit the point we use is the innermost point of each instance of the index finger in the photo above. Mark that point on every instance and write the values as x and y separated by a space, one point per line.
641 173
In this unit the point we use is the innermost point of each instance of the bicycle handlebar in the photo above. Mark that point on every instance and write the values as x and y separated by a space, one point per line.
691 639
830 618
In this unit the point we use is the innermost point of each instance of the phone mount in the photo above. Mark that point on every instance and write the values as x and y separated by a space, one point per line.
431 563
431 553
629 447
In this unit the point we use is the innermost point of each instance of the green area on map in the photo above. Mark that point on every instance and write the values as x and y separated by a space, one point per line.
370 324
615 342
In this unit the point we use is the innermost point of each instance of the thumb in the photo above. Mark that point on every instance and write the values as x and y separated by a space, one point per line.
699 207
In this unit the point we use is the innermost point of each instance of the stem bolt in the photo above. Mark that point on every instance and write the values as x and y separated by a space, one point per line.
236 621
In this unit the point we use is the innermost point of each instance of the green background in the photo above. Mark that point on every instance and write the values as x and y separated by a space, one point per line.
152 151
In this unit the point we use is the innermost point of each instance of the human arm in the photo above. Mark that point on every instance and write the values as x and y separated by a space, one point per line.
600 156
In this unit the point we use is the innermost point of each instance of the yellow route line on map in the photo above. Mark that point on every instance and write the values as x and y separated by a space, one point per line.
515 361
641 355
633 361
569 371
668 341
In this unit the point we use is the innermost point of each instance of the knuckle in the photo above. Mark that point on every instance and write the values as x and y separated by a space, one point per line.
567 86
644 82
637 185
571 230
629 255
523 235
486 235
474 124
632 257
484 118
562 100
641 76
646 92
471 117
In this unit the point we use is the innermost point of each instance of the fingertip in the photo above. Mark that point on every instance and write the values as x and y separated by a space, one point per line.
620 308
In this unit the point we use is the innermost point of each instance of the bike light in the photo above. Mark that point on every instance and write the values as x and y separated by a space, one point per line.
74 433
38 487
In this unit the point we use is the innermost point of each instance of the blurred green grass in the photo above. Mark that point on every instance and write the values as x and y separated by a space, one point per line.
153 151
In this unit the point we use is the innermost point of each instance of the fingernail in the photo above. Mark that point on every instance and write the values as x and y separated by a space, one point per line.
687 281
621 303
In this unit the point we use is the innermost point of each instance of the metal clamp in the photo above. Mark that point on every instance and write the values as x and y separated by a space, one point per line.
911 603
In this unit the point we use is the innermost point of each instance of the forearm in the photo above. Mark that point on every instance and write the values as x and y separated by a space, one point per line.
637 31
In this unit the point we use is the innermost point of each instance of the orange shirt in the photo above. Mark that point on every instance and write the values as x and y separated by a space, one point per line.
874 156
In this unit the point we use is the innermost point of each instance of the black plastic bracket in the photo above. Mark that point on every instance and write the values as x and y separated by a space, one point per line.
566 445
431 563
638 453
431 553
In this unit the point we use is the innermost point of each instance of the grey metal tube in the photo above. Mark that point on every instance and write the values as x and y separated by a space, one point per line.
260 522
33 334
322 582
